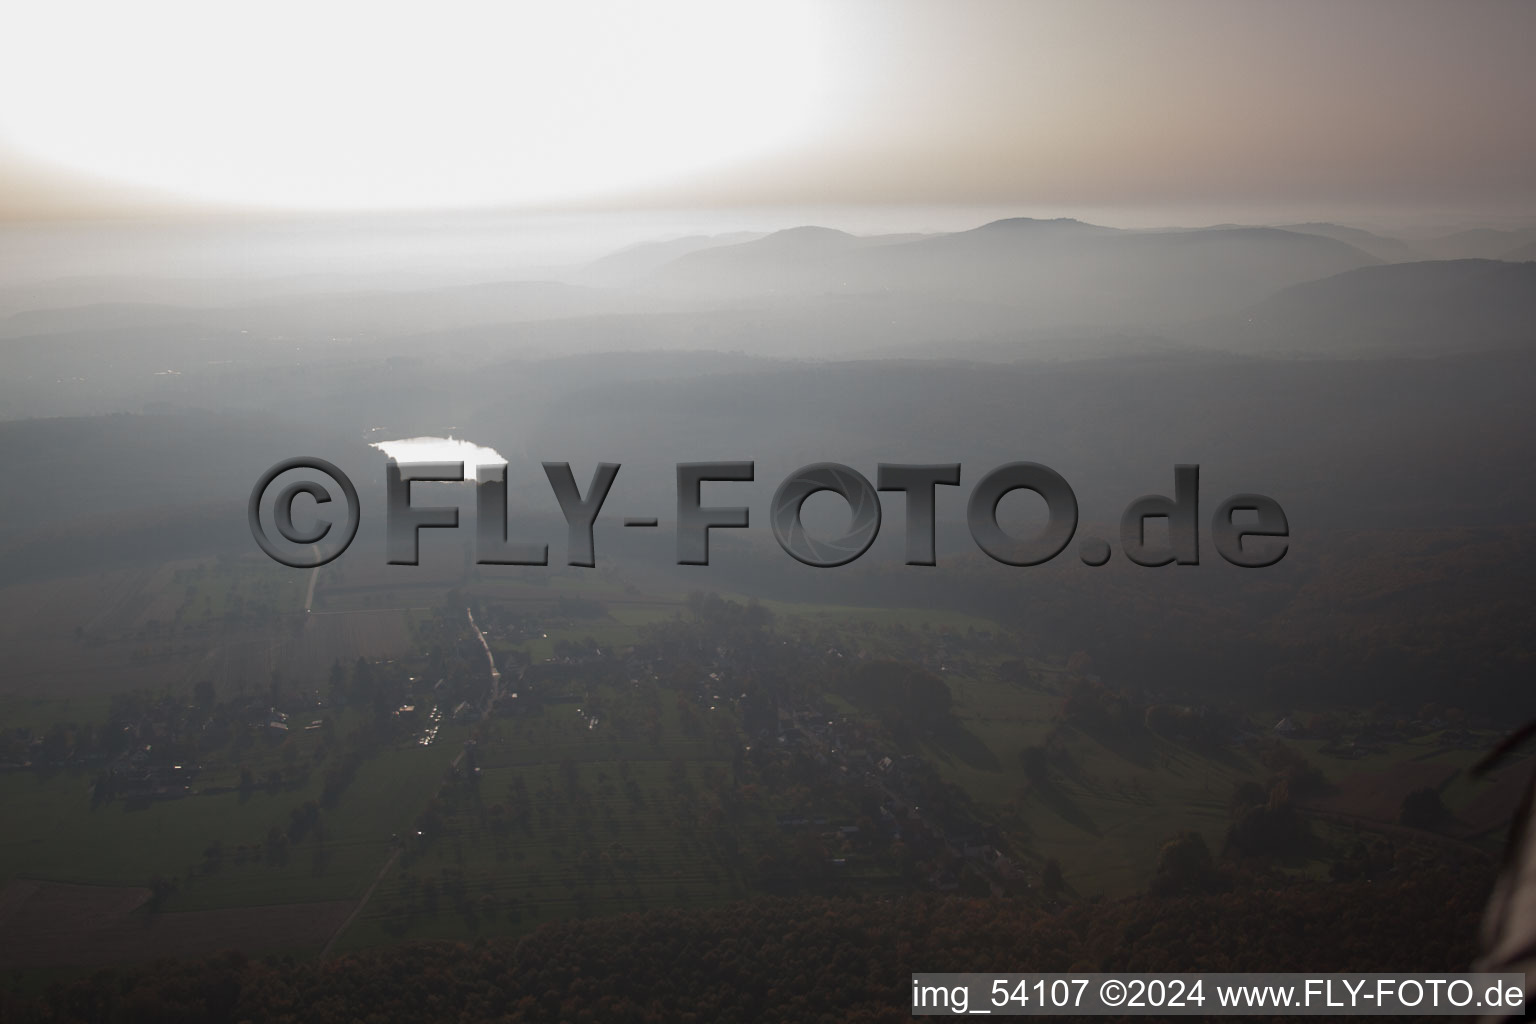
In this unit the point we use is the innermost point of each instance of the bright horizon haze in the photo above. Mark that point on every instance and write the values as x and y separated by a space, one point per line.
174 108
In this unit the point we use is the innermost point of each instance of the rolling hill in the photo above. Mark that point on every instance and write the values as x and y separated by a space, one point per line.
1057 272
1411 309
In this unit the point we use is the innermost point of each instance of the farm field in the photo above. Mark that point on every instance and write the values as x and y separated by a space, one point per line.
49 925
612 788
1105 812
161 629
63 837
1105 809
77 637
526 844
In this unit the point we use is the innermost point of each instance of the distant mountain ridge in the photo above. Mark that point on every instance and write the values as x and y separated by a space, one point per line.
1477 243
1437 307
1383 247
1523 254
632 264
1057 272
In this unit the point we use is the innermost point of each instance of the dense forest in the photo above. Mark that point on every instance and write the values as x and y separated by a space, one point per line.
819 959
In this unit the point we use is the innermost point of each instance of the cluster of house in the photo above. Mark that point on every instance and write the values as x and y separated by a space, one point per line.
940 835
133 778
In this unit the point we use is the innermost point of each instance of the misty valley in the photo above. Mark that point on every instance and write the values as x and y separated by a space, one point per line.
544 741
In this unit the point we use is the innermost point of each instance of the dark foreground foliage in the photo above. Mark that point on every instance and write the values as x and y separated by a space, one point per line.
804 959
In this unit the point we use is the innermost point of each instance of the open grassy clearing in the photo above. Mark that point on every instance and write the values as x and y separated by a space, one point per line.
59 836
525 844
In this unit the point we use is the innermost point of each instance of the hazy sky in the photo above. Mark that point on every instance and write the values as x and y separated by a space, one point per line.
1387 104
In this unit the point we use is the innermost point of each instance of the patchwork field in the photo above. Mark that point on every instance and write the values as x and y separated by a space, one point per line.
613 789
60 836
533 843
49 924
1106 808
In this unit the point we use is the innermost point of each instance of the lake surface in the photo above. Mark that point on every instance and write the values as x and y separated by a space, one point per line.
442 449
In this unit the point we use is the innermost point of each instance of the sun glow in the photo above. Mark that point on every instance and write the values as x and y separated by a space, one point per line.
360 105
